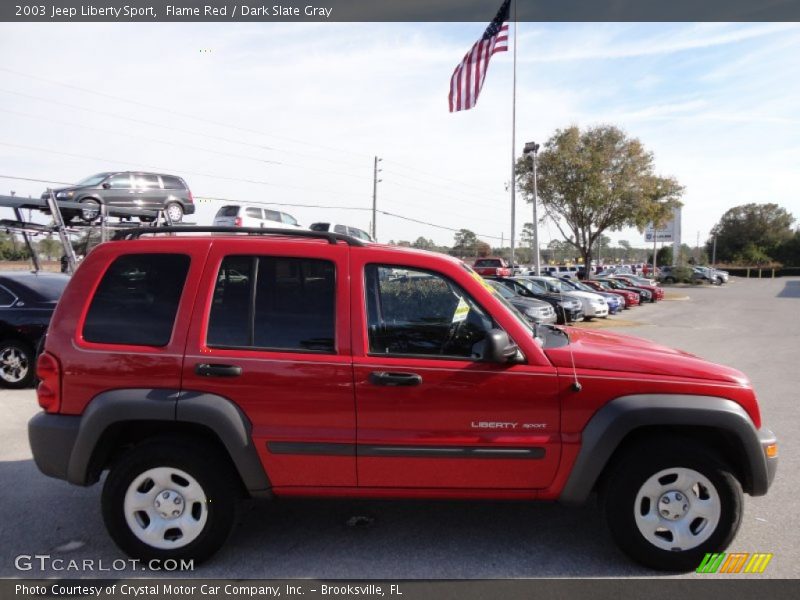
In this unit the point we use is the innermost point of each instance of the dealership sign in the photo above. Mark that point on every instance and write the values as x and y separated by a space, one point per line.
669 232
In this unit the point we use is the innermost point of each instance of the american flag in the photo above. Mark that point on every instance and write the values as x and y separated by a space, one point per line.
467 79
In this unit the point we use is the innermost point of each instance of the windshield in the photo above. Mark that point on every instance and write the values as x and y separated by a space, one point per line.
93 180
502 290
582 286
551 286
533 286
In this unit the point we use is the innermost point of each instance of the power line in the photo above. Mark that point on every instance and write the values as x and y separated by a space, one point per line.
178 113
34 180
167 169
435 176
179 129
181 145
437 185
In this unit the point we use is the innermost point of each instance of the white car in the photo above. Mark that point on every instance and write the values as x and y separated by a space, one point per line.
343 229
594 305
253 215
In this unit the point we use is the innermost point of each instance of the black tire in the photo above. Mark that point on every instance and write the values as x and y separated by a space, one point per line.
212 472
172 209
89 202
625 478
17 364
669 280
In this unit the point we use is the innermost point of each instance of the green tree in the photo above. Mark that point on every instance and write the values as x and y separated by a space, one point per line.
594 181
751 233
482 249
465 243
423 244
50 248
789 251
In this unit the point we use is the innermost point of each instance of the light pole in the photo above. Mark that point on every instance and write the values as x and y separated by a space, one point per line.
531 150
714 254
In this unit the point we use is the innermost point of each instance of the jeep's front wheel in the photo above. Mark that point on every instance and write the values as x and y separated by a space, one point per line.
669 506
170 500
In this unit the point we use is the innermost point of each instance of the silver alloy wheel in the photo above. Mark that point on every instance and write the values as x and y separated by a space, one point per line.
90 210
165 508
677 509
174 212
14 364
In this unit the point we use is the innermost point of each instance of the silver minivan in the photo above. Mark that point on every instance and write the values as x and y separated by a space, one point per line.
253 215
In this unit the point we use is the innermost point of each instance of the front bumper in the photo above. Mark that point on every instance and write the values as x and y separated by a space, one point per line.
52 438
766 438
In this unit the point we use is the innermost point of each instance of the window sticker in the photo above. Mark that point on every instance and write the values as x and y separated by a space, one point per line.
461 312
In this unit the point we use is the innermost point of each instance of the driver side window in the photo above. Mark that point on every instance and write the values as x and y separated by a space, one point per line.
416 312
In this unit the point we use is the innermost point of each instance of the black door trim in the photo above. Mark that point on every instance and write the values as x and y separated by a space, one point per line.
390 451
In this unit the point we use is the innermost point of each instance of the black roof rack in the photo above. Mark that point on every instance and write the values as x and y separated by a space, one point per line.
333 238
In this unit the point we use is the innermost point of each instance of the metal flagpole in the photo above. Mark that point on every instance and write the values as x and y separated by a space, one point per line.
513 137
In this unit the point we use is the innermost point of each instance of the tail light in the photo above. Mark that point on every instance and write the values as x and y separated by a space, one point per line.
48 392
237 221
191 198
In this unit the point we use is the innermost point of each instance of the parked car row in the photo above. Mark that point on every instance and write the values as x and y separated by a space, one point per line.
573 300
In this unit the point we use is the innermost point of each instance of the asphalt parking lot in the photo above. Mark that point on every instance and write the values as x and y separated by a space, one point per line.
753 325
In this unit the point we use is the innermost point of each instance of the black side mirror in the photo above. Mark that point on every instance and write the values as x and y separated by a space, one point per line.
106 186
499 348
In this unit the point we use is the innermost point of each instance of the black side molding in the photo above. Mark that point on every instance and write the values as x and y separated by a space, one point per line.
395 451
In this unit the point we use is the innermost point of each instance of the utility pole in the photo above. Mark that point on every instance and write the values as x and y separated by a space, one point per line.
375 180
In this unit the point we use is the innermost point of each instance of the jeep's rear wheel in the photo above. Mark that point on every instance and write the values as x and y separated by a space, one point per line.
170 499
668 506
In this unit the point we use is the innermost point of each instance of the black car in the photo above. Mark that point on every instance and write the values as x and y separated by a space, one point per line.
27 301
535 311
568 309
127 189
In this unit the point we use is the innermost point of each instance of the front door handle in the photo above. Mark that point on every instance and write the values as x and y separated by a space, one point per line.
394 379
207 370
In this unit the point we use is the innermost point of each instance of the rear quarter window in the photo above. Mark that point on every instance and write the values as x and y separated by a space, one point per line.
172 183
137 300
228 211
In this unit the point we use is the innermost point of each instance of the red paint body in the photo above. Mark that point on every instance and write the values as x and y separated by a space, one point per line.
631 298
328 398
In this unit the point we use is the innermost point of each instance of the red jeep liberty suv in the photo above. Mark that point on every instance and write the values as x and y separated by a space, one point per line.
197 369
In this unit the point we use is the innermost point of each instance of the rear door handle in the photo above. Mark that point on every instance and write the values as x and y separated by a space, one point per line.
394 379
207 370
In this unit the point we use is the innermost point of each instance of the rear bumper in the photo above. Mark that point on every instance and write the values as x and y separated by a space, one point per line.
188 209
52 438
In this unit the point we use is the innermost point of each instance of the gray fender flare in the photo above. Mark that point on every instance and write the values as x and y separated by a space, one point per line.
608 427
218 414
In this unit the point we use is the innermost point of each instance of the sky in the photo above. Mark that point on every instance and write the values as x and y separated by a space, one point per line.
293 114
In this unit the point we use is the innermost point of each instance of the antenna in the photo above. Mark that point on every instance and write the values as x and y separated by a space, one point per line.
576 385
